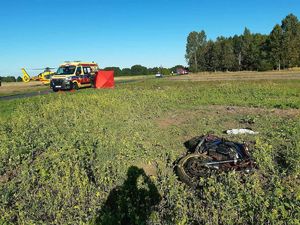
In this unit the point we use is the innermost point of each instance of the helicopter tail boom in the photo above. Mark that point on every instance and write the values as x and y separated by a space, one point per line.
25 77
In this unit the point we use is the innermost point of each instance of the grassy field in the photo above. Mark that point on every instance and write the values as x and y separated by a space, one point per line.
106 156
133 78
243 75
17 88
12 88
8 89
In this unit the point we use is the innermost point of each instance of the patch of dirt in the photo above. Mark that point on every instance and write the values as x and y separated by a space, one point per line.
11 174
182 117
149 169
175 119
259 111
8 176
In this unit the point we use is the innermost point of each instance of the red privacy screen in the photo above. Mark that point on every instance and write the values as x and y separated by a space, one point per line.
104 79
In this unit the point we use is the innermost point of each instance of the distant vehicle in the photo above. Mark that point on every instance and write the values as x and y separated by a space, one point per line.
74 75
44 77
182 71
158 75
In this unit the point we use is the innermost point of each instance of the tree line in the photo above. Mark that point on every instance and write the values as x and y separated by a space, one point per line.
133 71
142 70
10 79
250 51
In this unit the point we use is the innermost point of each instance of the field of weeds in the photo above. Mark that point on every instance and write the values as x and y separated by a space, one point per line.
106 156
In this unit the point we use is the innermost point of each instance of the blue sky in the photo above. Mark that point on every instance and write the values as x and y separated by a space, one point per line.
40 33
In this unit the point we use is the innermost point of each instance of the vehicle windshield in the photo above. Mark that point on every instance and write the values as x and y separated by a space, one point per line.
66 70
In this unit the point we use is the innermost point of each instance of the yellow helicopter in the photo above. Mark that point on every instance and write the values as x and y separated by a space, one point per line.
44 77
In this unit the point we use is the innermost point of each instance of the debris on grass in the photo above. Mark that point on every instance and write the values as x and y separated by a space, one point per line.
240 131
207 154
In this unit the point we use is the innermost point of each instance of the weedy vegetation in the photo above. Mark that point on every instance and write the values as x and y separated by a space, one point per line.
64 158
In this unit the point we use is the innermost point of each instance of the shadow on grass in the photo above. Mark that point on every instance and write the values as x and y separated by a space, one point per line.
132 202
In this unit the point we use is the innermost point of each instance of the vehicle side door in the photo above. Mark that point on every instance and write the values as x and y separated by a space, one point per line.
87 74
79 74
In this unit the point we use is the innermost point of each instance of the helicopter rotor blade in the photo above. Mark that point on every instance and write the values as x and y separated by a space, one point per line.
46 68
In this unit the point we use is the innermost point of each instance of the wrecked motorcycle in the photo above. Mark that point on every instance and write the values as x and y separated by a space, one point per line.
208 154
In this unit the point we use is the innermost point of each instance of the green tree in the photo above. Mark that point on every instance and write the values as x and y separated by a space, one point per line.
19 79
117 70
153 70
195 50
275 46
174 68
217 54
246 49
165 71
264 62
237 44
226 56
139 70
209 57
126 72
8 79
251 46
261 53
279 49
291 37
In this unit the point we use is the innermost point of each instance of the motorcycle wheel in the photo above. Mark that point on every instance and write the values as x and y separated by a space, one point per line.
191 167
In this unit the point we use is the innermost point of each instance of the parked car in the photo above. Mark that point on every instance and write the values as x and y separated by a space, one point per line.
158 75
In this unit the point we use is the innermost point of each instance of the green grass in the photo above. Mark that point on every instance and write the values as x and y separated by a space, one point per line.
7 108
63 155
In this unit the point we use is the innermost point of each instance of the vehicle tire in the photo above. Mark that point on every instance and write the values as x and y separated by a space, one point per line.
191 167
74 86
92 80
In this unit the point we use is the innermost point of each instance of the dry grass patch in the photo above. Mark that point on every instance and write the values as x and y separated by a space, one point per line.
226 113
223 76
11 88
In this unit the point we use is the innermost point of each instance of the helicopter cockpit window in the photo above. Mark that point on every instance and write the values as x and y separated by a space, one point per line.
66 70
48 77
